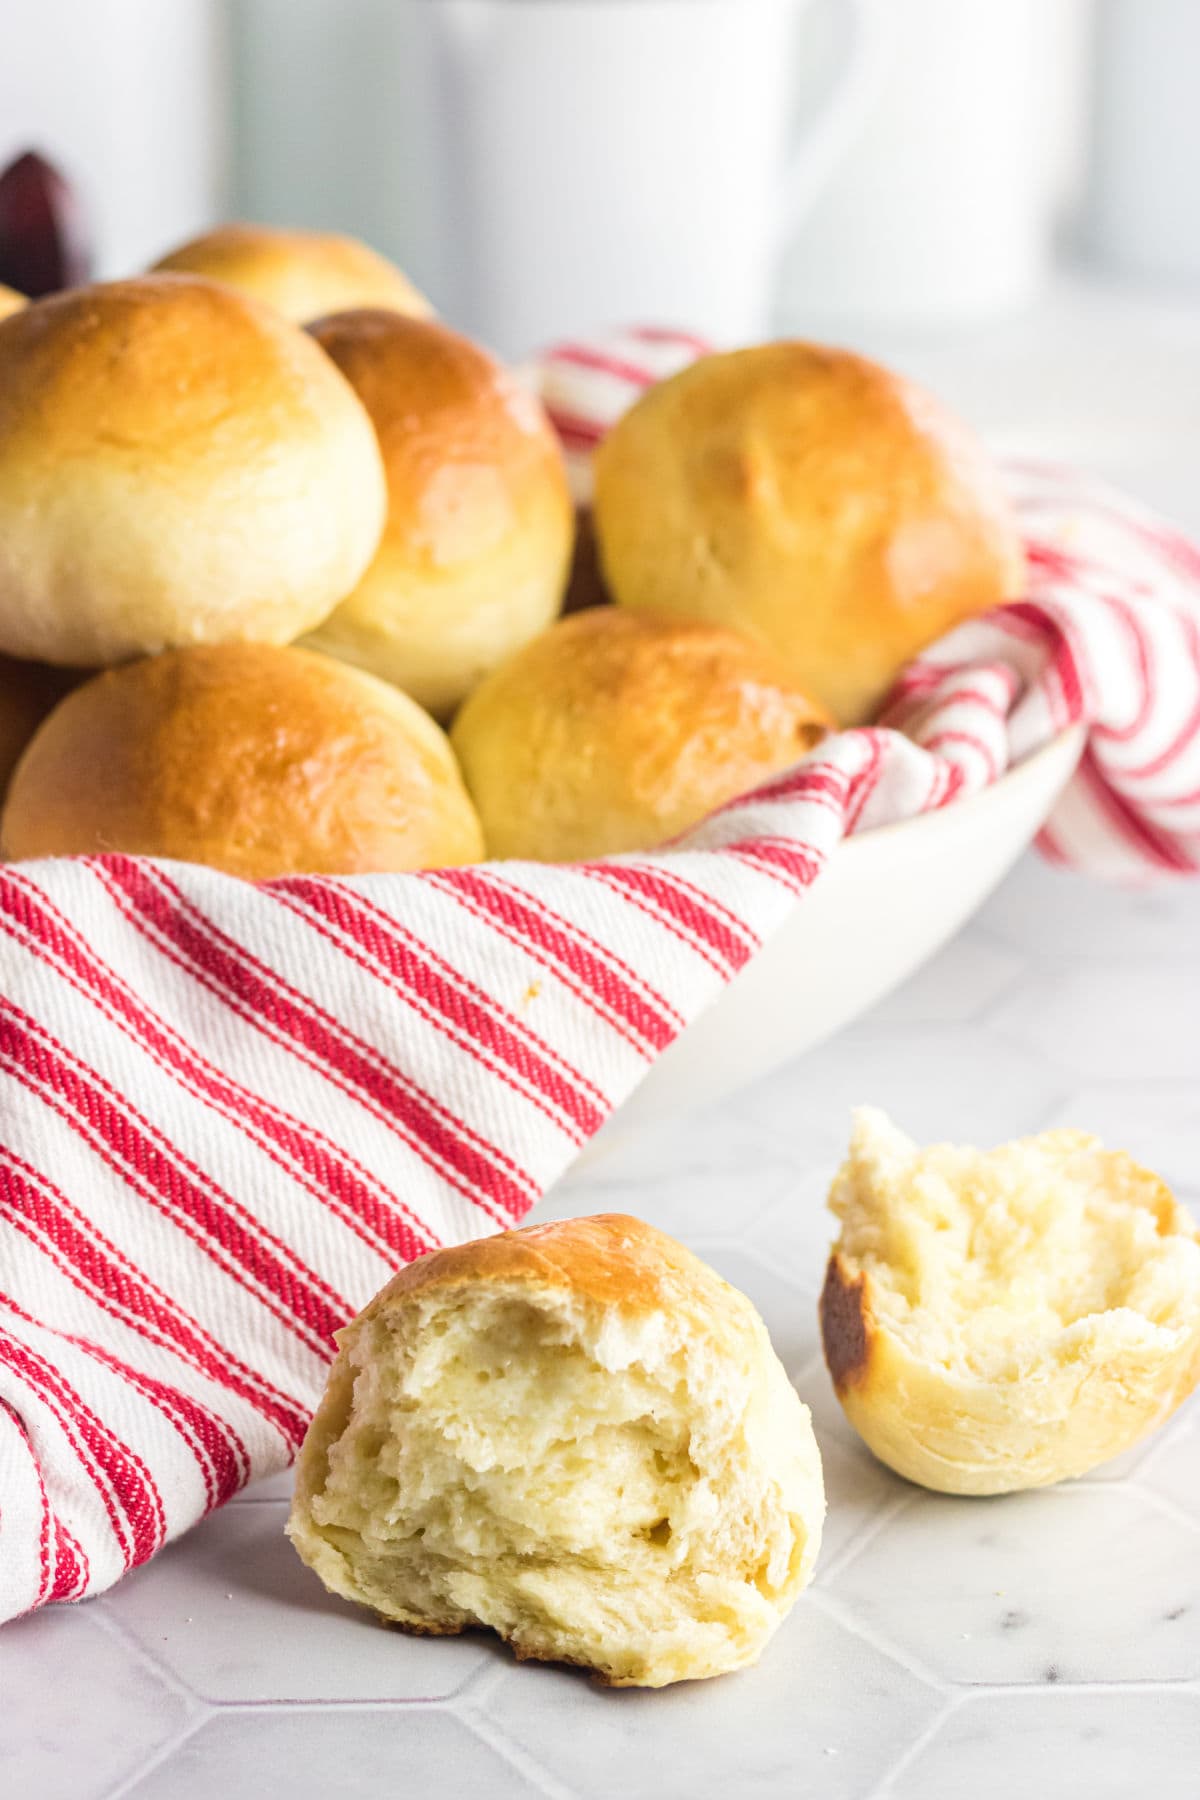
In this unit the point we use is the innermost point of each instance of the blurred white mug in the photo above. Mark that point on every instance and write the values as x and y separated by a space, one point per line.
547 166
943 209
1141 215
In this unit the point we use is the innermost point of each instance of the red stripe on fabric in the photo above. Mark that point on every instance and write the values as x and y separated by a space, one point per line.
954 690
1060 678
123 1483
685 917
916 678
737 926
540 1046
481 1172
59 1552
604 980
1135 639
85 1256
302 1151
1136 831
948 782
580 433
662 334
223 1468
909 718
863 781
1072 569
72 1571
971 696
782 858
1052 561
1050 847
451 1001
819 783
1172 802
152 1166
47 1570
971 741
589 356
1185 736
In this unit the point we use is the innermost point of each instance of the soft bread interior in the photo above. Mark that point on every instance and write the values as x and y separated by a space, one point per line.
989 1264
600 1488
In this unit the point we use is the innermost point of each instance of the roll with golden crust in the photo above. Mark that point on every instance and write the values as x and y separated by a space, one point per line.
178 465
576 1435
302 274
617 730
1003 1320
477 546
258 760
813 500
10 301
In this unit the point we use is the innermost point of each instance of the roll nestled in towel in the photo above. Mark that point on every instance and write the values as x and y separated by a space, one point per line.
477 546
616 731
256 759
178 465
817 502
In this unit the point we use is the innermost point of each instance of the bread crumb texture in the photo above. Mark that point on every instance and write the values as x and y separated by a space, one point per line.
1001 1320
575 1435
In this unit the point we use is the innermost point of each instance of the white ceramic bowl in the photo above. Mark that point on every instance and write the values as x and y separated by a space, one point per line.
888 900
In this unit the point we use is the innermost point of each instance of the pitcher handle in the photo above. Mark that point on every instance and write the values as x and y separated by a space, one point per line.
867 33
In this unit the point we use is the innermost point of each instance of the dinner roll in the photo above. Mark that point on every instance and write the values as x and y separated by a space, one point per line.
177 465
814 501
27 693
999 1321
576 1435
616 730
258 760
477 546
302 274
10 301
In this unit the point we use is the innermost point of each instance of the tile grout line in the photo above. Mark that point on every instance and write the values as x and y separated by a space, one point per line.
170 1678
155 1760
908 1756
868 1532
1161 1504
901 1656
489 1732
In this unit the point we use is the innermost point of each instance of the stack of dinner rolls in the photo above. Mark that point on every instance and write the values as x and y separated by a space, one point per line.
269 441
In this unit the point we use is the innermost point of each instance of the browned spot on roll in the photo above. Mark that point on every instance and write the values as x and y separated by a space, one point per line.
845 1330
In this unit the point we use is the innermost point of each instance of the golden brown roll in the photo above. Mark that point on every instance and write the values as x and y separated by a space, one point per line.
476 551
178 465
302 274
576 1435
812 500
28 691
10 301
1002 1320
617 730
256 759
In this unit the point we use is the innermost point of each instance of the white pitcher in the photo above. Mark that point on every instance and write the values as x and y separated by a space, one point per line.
546 166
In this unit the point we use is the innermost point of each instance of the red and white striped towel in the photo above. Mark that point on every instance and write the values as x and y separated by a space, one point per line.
227 1111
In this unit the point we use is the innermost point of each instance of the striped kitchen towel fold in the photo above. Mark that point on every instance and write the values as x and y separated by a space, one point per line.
228 1111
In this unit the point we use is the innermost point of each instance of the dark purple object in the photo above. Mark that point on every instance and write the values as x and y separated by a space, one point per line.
43 245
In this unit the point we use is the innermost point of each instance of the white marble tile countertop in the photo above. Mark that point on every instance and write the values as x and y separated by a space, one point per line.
1045 1644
